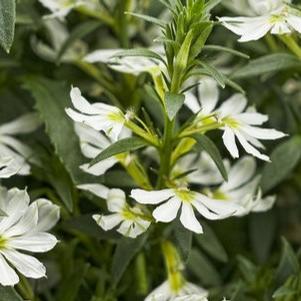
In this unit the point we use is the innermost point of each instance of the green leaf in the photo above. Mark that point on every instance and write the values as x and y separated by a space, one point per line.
213 72
9 294
78 32
119 147
284 159
125 251
142 52
267 64
211 4
202 268
52 98
174 103
206 144
289 263
226 49
209 242
183 240
69 288
148 19
7 23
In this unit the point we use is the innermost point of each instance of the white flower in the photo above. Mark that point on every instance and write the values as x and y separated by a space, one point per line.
129 64
12 148
8 167
188 292
23 228
99 116
182 198
92 143
242 189
61 8
236 121
132 221
275 17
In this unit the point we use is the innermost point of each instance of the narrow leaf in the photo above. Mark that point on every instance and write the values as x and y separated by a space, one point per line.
121 146
7 23
174 103
148 19
206 144
226 49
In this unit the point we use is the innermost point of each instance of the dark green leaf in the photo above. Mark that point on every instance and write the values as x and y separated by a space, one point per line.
202 268
174 103
51 100
266 64
211 4
213 72
210 243
7 23
9 294
225 49
148 19
119 147
284 159
206 144
125 251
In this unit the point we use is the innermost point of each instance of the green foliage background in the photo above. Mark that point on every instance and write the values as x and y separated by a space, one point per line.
255 258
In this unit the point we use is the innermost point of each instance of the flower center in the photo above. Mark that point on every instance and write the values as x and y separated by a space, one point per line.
231 122
116 117
128 214
185 195
3 242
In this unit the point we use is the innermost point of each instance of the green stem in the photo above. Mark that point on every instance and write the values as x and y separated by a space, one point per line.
141 273
291 43
165 152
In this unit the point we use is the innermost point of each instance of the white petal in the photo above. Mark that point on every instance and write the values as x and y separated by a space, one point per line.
101 56
192 102
23 125
240 173
280 27
233 106
168 211
257 31
108 222
264 204
96 189
27 265
27 222
49 215
263 134
229 142
116 200
133 229
8 277
209 94
189 220
39 242
294 22
80 103
99 168
252 118
151 197
249 148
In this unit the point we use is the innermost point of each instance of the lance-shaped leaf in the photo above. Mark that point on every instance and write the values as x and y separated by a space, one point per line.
7 23
217 48
148 19
174 103
206 144
139 52
121 146
213 72
9 294
267 64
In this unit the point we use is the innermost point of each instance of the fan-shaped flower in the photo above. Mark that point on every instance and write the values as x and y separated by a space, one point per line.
233 118
92 143
274 16
12 148
132 221
182 198
242 189
188 292
99 116
24 228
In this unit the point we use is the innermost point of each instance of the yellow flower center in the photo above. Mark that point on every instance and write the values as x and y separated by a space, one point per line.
128 214
185 195
3 242
116 117
232 123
